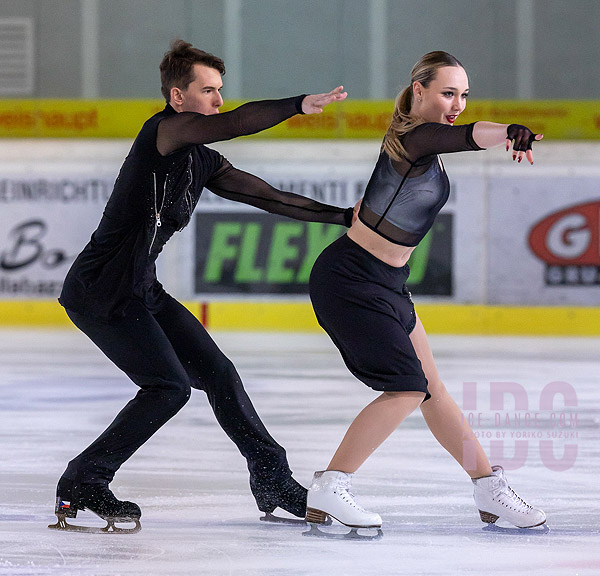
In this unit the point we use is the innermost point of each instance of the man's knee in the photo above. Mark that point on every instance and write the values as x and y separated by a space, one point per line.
221 376
179 395
173 393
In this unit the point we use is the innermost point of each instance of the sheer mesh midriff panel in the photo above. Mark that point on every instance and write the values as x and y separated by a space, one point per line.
388 230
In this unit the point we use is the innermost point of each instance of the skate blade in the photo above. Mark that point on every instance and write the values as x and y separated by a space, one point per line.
110 527
273 519
352 535
533 530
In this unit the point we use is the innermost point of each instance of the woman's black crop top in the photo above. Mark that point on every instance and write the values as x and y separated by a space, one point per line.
403 198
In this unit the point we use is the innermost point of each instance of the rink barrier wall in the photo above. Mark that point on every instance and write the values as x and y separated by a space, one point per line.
438 318
517 244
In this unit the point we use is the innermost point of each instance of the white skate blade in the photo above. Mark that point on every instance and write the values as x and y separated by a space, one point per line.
316 531
492 520
110 527
532 530
273 519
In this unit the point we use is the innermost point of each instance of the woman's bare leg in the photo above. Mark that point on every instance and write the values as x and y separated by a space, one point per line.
371 427
444 417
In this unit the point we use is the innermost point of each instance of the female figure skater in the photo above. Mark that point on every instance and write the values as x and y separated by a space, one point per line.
359 295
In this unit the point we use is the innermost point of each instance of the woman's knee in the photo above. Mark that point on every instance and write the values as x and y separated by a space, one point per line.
436 388
410 395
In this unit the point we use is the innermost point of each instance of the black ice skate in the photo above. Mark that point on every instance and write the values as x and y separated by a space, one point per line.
284 493
99 500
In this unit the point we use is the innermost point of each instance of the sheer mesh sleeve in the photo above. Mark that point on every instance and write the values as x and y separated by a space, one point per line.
189 128
233 184
430 138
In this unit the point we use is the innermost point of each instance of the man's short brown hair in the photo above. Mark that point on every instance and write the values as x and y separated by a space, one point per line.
177 66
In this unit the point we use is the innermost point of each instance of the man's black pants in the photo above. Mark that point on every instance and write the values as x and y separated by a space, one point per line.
166 354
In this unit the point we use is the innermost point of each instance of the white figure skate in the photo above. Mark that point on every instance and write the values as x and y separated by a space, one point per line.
329 495
495 500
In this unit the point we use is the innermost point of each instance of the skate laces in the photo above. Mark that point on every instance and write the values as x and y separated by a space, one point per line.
344 488
507 496
345 485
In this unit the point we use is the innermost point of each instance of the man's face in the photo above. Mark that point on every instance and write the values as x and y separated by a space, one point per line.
203 94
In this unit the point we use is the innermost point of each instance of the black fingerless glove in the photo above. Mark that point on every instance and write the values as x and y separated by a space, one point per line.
522 137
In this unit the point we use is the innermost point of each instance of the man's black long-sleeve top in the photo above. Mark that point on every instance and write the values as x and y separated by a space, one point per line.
154 196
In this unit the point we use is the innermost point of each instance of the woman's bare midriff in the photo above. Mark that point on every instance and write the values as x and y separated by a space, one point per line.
386 251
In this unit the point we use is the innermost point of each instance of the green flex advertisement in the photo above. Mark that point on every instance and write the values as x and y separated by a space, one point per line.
261 254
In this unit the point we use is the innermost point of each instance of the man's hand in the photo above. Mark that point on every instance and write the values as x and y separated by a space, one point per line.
314 103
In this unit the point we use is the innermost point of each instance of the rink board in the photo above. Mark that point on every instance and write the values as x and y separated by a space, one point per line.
299 316
520 244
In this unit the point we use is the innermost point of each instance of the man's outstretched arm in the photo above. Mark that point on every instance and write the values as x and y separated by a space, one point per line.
188 128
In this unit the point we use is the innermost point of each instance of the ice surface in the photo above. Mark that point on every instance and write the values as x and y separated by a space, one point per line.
57 392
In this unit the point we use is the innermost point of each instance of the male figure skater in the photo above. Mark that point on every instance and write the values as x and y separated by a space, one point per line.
112 294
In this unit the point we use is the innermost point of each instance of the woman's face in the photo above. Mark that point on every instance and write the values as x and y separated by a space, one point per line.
445 97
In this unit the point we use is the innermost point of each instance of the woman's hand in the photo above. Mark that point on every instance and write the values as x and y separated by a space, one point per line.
314 103
355 211
523 139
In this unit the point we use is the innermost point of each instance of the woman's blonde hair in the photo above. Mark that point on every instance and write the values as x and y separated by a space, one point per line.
403 121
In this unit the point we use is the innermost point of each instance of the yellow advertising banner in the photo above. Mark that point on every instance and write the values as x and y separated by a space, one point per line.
74 118
557 119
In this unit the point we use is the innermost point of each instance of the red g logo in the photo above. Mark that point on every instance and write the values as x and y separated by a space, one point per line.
569 237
